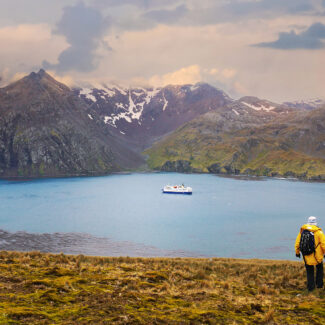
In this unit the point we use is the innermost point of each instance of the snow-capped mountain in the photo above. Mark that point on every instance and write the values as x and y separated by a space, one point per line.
306 104
148 113
263 105
50 130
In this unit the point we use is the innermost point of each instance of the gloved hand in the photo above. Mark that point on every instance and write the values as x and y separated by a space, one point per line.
298 255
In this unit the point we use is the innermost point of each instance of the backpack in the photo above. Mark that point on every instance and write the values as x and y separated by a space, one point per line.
307 243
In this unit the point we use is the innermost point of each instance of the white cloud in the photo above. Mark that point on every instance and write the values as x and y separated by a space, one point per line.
229 73
213 71
187 75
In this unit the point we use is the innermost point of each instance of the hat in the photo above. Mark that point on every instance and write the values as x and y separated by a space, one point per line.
312 221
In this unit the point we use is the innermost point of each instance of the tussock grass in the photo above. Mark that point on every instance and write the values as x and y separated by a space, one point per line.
38 288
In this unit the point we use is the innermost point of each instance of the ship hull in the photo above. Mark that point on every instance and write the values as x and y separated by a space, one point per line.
171 192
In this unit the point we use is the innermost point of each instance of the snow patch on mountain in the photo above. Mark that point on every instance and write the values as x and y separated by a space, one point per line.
110 92
165 102
119 105
235 112
260 107
307 104
194 87
123 91
87 92
151 94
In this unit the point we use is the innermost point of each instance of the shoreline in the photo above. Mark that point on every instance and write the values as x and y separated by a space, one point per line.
76 243
233 176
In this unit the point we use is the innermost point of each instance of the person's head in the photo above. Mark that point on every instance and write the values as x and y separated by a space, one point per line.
312 221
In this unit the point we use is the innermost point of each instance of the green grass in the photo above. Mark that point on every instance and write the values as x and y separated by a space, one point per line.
40 288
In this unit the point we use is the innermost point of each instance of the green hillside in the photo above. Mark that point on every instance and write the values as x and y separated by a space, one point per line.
290 146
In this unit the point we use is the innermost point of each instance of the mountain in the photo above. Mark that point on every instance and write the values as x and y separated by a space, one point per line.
45 130
143 115
48 129
306 104
249 136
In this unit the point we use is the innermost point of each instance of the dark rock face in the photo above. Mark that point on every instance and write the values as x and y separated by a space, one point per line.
180 166
215 168
46 131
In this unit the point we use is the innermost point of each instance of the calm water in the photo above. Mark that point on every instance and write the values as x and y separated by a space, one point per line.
224 216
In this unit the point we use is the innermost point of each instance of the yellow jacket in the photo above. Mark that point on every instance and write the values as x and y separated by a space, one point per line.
313 259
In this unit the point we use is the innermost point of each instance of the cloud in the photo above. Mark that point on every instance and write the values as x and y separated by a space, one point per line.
274 6
229 73
187 75
132 15
136 3
83 28
310 39
31 12
166 16
212 12
193 74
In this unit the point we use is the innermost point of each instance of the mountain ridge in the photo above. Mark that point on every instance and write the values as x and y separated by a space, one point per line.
48 129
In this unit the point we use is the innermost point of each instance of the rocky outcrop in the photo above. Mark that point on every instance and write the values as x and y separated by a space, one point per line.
180 166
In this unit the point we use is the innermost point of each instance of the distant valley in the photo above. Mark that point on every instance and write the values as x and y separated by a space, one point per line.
48 129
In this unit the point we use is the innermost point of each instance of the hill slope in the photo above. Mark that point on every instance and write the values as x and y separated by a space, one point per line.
40 288
46 131
235 141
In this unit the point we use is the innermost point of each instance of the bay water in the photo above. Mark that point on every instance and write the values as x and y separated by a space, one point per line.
225 217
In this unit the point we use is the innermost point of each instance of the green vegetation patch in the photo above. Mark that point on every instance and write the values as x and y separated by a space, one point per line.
236 153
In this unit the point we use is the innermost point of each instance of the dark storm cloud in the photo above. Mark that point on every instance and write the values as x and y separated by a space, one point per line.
83 28
310 39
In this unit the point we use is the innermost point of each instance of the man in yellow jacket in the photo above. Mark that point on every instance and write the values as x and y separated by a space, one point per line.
315 258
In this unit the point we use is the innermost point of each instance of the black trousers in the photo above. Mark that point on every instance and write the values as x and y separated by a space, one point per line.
311 278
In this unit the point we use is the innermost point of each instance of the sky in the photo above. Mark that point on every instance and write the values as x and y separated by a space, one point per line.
272 49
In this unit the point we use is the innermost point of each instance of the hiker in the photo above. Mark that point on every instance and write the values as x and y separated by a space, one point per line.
310 243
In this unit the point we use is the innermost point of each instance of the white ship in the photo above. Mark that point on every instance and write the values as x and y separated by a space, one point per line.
177 189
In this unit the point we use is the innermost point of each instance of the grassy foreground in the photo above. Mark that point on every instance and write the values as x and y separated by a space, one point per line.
38 288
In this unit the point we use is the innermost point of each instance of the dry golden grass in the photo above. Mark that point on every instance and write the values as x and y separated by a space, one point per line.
40 288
